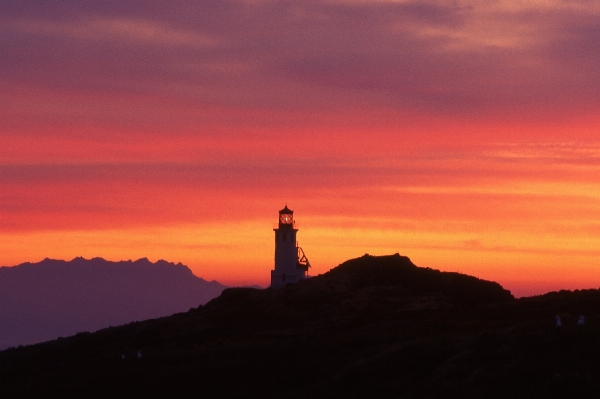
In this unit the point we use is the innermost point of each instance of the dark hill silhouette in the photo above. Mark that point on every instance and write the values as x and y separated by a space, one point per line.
398 271
372 327
369 285
55 298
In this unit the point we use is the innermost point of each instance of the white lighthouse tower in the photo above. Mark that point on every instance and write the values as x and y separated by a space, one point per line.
291 265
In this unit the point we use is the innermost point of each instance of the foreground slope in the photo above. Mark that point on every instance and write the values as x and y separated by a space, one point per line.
373 327
54 298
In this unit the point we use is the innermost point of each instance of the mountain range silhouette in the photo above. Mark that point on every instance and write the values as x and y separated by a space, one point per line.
55 298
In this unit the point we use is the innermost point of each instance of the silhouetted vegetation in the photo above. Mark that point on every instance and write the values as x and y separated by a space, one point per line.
372 327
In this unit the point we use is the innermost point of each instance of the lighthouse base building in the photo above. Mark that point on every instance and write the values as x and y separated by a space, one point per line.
291 264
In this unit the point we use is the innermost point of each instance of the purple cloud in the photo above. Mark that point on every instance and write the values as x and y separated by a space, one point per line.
436 57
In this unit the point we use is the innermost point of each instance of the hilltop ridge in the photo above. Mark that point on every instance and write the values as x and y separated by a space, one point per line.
398 271
361 287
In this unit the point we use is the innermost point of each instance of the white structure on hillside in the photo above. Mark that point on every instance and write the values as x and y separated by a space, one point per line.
291 265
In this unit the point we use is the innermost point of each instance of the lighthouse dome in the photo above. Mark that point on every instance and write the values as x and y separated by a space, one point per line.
286 210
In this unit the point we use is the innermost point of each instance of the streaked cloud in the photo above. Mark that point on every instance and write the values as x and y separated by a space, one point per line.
113 30
524 189
576 152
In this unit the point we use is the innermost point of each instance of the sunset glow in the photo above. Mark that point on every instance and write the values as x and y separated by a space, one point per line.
462 135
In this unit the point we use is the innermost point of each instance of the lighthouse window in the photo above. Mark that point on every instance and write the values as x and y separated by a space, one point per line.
284 237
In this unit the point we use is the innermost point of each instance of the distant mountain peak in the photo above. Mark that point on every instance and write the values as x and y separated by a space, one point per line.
80 260
51 298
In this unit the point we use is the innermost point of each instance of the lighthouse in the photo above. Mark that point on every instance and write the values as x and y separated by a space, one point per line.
291 265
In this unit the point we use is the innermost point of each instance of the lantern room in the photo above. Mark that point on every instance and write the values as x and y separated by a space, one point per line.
291 264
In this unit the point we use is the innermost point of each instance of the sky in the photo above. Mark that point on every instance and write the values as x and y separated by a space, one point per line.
462 134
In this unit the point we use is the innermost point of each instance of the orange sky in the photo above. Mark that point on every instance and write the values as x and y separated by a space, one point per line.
462 135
